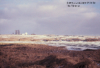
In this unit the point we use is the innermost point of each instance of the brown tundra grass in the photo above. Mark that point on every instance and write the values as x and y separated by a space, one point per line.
43 56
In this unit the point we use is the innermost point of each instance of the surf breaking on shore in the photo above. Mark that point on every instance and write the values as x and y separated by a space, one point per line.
70 42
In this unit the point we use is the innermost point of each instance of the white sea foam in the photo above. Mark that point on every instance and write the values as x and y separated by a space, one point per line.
70 45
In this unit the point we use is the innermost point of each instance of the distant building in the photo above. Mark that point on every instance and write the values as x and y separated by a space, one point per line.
17 32
25 33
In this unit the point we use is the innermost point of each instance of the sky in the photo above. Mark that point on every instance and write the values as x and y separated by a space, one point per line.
49 17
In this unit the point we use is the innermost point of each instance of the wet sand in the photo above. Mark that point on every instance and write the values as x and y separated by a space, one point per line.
44 56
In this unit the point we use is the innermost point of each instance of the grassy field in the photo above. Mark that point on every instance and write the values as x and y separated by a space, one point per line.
44 56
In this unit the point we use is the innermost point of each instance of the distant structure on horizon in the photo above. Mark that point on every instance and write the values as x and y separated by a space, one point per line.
17 32
25 33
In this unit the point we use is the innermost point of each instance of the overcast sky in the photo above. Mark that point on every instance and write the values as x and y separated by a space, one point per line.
49 17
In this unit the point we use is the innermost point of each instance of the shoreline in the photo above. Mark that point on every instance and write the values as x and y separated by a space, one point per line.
78 46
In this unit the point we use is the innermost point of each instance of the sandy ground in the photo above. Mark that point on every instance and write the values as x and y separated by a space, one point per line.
48 38
44 56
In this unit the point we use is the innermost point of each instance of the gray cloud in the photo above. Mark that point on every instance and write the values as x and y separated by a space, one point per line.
48 17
